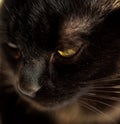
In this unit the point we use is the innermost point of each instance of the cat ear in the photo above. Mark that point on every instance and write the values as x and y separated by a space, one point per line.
1 1
116 4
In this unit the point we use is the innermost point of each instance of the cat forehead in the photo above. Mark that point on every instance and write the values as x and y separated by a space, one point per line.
79 14
91 8
69 4
63 7
97 4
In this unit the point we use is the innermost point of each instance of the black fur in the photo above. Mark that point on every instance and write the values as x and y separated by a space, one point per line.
86 84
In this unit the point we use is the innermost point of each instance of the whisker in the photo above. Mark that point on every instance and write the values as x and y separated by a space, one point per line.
90 107
106 80
94 109
85 105
115 77
98 101
116 99
7 9
108 94
5 6
106 90
101 102
108 87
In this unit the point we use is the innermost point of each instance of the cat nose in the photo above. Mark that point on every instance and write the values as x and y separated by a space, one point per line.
29 91
31 73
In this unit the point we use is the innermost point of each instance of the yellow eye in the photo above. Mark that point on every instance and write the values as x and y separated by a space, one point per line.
68 52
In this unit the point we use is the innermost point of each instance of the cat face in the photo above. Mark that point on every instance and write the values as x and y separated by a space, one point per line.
63 51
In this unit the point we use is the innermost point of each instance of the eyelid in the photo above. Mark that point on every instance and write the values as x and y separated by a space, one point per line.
12 45
13 50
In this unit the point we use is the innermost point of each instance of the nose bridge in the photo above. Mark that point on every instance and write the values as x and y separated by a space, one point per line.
33 70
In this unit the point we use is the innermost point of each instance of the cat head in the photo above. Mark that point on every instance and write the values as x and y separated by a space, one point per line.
62 51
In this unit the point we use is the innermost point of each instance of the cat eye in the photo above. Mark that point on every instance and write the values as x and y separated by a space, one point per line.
67 53
13 50
14 46
71 54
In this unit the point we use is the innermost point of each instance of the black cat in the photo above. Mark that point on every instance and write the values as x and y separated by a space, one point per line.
60 61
